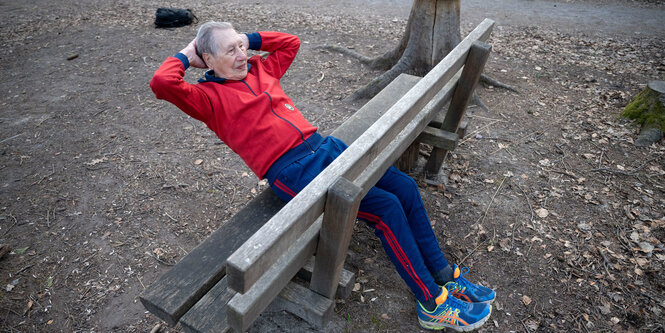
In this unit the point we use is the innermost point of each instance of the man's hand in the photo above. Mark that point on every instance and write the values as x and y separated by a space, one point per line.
245 41
190 52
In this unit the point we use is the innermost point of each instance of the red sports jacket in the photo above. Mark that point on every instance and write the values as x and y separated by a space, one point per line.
253 116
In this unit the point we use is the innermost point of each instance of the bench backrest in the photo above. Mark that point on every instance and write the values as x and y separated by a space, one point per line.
265 263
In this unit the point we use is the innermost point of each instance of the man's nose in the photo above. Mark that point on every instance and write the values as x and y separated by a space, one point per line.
241 55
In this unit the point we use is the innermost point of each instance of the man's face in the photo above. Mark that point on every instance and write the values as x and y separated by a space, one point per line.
230 62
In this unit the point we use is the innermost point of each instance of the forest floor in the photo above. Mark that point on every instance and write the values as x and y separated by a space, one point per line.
546 199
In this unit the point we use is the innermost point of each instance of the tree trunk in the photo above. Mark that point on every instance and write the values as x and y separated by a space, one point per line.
432 31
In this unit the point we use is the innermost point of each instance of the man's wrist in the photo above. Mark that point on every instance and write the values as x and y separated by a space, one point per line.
183 58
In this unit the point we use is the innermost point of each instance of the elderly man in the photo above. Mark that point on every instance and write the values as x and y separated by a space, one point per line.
241 100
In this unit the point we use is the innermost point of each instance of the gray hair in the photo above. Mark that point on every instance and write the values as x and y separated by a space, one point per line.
205 41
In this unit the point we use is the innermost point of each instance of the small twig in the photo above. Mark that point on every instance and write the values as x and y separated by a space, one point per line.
631 172
156 329
11 137
562 172
172 219
527 199
470 135
523 324
470 253
160 260
11 226
23 269
491 201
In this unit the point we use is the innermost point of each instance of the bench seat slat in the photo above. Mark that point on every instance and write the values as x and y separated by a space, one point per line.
263 248
177 290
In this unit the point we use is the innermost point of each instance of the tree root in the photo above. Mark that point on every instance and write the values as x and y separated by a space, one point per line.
484 78
475 99
382 62
374 87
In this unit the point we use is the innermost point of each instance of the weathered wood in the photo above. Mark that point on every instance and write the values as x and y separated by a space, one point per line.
438 138
263 248
244 308
177 290
473 67
173 294
382 162
306 304
346 279
340 214
409 159
367 115
208 315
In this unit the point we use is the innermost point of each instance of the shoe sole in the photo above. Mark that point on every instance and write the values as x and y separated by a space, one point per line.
468 328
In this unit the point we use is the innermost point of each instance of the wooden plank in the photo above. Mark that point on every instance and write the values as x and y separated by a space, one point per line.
340 214
245 266
208 315
346 279
244 308
171 295
382 162
473 67
177 290
360 121
438 138
306 304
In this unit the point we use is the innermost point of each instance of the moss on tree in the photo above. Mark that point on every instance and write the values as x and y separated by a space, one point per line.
646 109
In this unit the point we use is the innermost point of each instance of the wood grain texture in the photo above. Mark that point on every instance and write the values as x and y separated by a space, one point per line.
473 67
245 266
177 290
208 315
438 138
340 214
306 304
244 308
174 293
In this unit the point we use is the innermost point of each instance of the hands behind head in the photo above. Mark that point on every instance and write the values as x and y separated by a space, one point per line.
194 59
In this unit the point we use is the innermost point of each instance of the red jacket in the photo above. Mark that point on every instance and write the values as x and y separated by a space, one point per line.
253 116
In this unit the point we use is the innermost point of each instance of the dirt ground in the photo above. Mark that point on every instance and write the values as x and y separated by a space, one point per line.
103 187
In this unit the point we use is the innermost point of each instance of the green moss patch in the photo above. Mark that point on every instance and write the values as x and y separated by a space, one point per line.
646 110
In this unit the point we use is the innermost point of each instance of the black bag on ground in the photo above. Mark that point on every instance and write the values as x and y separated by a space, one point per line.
173 17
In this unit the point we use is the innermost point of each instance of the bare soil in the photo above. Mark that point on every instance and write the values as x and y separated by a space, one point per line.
103 187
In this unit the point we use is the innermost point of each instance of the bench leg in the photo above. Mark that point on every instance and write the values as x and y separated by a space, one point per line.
473 67
340 213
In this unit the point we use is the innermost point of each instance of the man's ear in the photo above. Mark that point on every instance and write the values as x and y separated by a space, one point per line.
206 57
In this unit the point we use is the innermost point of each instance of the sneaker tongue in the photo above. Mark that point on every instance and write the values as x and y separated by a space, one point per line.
442 298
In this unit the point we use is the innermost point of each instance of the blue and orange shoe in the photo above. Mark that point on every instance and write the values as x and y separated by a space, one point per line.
467 291
451 312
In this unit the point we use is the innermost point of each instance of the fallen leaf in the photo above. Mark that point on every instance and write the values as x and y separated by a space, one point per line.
356 287
21 250
526 300
646 247
542 213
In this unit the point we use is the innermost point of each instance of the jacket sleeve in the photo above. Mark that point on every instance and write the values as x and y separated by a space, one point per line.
282 47
169 84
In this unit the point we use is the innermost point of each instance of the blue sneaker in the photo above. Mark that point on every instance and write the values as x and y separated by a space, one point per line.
451 312
467 291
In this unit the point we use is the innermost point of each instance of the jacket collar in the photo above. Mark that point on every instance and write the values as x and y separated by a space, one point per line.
210 76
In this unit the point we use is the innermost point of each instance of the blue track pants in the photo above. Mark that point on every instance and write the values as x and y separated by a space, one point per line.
393 208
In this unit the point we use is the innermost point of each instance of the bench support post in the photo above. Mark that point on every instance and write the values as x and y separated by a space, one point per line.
340 214
473 67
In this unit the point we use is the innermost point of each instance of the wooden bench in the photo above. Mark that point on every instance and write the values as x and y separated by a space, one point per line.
248 263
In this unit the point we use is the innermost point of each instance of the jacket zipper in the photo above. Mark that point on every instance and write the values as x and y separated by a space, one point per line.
302 136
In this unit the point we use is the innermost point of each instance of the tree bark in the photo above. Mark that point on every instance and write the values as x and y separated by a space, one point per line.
431 33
